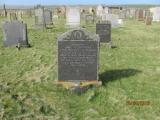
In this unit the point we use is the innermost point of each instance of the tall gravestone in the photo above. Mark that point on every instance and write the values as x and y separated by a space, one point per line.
140 15
39 17
78 56
48 17
99 11
73 17
15 33
104 32
4 11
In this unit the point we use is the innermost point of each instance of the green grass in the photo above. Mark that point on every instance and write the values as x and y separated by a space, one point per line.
129 72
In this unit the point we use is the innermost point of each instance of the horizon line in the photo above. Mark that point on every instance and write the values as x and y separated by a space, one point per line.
76 4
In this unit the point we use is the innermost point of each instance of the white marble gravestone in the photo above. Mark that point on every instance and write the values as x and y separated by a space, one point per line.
99 11
156 13
73 17
115 21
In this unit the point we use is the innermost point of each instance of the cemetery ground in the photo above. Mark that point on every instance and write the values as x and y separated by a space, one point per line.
129 73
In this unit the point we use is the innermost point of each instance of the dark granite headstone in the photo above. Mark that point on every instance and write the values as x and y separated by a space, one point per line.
78 53
104 32
15 33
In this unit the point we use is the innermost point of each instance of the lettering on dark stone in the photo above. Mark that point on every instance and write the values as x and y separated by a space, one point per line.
78 60
104 32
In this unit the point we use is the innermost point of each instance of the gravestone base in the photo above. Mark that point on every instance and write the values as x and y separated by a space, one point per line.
20 44
39 26
79 84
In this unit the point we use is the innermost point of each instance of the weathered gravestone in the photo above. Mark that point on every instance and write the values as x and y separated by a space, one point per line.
156 13
13 16
140 14
48 17
39 17
113 18
78 56
99 11
73 17
104 32
15 33
89 19
149 20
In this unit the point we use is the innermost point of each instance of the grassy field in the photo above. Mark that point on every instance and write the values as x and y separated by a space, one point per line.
129 72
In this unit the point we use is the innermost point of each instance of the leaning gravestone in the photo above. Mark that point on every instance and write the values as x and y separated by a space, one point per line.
78 53
48 17
104 32
15 33
73 17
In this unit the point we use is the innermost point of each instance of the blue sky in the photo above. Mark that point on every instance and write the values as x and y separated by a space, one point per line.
73 2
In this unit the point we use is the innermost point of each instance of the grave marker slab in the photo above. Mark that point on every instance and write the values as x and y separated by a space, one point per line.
39 17
73 17
15 33
13 16
104 31
149 20
78 53
89 19
48 17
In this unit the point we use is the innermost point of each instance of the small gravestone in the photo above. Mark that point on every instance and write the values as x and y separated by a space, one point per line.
104 32
149 20
78 56
89 19
48 17
15 33
13 16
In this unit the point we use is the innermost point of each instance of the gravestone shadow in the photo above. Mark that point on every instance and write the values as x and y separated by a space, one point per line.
112 75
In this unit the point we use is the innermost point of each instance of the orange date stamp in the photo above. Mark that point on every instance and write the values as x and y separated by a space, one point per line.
138 102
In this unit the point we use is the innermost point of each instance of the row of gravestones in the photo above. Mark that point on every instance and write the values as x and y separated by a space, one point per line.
15 32
43 17
78 50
